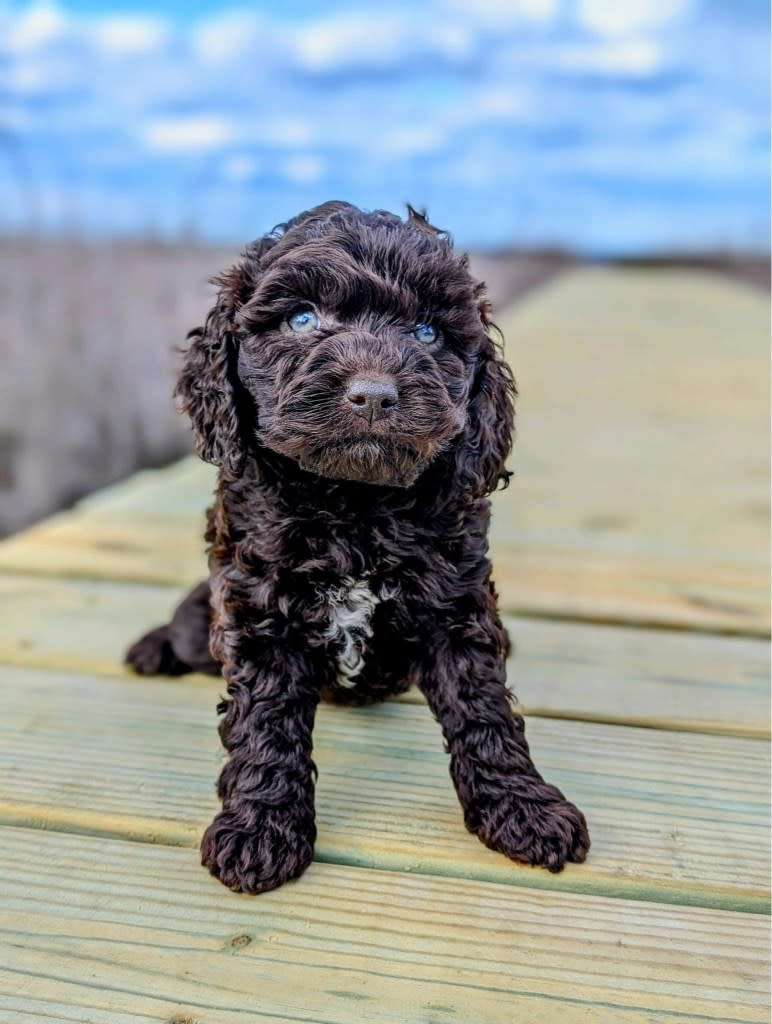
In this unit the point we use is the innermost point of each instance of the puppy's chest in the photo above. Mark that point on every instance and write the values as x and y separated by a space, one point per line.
350 606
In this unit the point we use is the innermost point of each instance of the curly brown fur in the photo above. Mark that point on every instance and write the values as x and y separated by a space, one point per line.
348 552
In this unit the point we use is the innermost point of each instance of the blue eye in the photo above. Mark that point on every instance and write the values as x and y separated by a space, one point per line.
303 321
425 333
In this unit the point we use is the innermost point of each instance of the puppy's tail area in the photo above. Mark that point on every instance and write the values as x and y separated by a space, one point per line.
180 647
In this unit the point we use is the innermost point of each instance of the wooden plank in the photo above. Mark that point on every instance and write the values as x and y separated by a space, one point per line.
168 550
596 673
643 591
130 546
105 931
77 625
677 817
642 463
643 394
182 490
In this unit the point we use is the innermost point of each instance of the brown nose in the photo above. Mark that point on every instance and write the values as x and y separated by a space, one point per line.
371 399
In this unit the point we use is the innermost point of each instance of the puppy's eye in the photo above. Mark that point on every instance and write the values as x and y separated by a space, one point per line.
303 321
425 333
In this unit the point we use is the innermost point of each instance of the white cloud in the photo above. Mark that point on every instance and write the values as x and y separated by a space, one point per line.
229 36
240 168
36 27
186 134
502 103
286 131
303 169
130 35
30 77
332 41
452 40
500 13
626 57
361 40
623 17
538 10
411 140
472 170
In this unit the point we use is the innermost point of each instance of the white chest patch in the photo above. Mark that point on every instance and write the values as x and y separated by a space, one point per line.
351 608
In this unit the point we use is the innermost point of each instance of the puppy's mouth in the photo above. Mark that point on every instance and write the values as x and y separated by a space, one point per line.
365 458
325 433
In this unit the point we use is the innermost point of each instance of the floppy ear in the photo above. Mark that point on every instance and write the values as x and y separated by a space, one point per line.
206 385
487 438
207 388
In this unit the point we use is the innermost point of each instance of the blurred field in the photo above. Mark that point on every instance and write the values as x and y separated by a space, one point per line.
87 336
87 362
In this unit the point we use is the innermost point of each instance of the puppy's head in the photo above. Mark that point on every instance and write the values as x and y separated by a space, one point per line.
357 344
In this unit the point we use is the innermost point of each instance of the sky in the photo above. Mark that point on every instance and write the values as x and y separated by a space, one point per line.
603 126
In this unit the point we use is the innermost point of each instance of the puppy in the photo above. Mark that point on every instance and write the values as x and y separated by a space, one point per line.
347 387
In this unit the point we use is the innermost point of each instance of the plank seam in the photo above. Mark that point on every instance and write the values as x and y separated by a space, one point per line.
522 877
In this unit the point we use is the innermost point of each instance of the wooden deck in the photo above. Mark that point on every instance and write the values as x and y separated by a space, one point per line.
632 559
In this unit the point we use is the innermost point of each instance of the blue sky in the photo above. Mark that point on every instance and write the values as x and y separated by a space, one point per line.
607 126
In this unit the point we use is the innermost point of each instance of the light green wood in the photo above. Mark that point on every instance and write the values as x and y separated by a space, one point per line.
642 456
600 673
642 412
182 490
676 817
112 932
116 546
702 595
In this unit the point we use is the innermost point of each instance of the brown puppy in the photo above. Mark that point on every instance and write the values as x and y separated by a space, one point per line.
347 386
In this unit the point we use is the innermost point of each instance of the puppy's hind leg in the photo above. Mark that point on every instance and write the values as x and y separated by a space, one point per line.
153 655
182 645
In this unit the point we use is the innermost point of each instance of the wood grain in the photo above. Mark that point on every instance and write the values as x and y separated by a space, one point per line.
676 817
112 932
612 674
642 457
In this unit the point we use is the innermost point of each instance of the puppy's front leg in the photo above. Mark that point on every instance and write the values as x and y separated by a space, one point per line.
266 831
506 802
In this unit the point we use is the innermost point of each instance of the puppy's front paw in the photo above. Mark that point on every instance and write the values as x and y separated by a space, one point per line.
254 848
547 833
